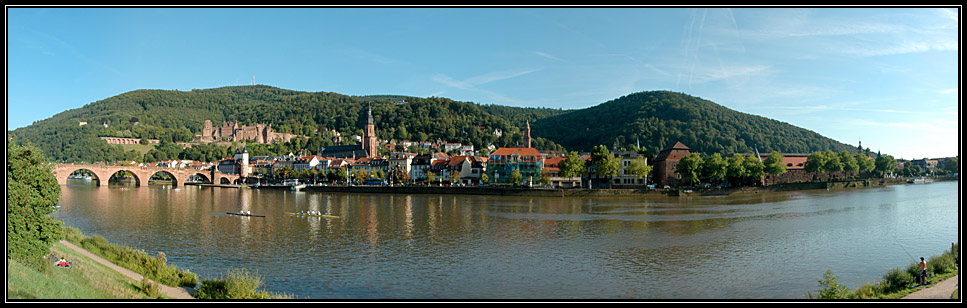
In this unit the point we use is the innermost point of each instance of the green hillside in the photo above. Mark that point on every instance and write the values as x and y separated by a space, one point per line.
653 118
659 118
176 116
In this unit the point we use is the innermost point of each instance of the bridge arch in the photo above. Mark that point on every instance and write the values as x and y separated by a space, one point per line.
94 176
174 179
203 175
142 174
139 177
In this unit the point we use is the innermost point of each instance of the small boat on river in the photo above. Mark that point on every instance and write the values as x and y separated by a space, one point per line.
313 215
920 180
244 214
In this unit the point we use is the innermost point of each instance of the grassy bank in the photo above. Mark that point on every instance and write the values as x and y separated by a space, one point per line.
87 279
896 283
238 284
140 262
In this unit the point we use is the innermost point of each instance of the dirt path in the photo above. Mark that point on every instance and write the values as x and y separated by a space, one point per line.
173 292
941 290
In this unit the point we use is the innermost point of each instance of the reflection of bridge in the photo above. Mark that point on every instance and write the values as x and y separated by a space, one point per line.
103 173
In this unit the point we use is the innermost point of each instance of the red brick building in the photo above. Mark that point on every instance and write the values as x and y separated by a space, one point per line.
665 162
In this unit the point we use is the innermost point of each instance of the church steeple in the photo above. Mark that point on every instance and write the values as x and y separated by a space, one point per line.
370 143
369 115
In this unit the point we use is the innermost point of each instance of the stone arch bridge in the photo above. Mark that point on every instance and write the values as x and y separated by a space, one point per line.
103 173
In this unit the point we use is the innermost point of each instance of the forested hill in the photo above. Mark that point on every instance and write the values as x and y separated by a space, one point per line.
658 118
176 116
653 118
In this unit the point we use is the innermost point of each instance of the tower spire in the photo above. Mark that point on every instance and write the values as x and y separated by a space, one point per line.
527 134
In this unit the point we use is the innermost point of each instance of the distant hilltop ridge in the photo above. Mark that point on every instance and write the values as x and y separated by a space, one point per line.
649 120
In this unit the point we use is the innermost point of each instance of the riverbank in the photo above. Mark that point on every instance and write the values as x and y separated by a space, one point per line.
942 290
583 192
942 282
168 291
89 277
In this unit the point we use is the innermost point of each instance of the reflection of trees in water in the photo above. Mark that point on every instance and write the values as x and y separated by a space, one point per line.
123 177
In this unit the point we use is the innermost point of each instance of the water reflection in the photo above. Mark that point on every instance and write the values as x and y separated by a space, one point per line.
766 245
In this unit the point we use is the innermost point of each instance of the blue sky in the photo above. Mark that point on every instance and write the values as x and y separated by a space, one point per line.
885 76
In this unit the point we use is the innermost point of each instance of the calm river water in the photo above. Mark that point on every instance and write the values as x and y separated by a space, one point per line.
748 246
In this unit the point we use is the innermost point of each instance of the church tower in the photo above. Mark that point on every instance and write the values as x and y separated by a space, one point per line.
527 135
370 143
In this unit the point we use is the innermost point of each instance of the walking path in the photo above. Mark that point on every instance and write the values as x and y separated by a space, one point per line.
173 292
941 290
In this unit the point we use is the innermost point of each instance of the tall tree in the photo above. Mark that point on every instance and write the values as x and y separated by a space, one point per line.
850 165
714 168
604 162
736 169
885 164
775 163
816 162
833 163
639 168
572 166
32 193
864 162
754 168
689 167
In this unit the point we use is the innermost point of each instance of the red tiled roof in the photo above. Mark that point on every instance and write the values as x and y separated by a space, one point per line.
794 162
553 162
519 151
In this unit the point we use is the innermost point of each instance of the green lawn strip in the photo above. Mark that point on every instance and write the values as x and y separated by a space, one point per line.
87 279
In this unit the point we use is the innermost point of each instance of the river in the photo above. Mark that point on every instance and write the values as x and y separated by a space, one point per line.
767 245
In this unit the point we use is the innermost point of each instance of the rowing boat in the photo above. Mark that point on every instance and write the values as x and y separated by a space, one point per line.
241 214
313 215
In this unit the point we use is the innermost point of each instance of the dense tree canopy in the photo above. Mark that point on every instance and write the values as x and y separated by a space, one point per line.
650 119
177 116
32 193
657 118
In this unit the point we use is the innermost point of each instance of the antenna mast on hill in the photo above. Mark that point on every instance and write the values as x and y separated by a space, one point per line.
253 80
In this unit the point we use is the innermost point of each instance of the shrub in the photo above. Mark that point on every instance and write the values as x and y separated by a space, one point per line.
942 264
240 284
830 288
896 280
866 291
140 262
150 288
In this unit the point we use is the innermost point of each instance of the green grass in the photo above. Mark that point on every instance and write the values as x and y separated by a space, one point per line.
139 261
89 279
140 148
896 283
86 280
240 284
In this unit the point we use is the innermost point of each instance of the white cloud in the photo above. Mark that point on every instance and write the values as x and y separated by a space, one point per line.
501 75
472 84
546 55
